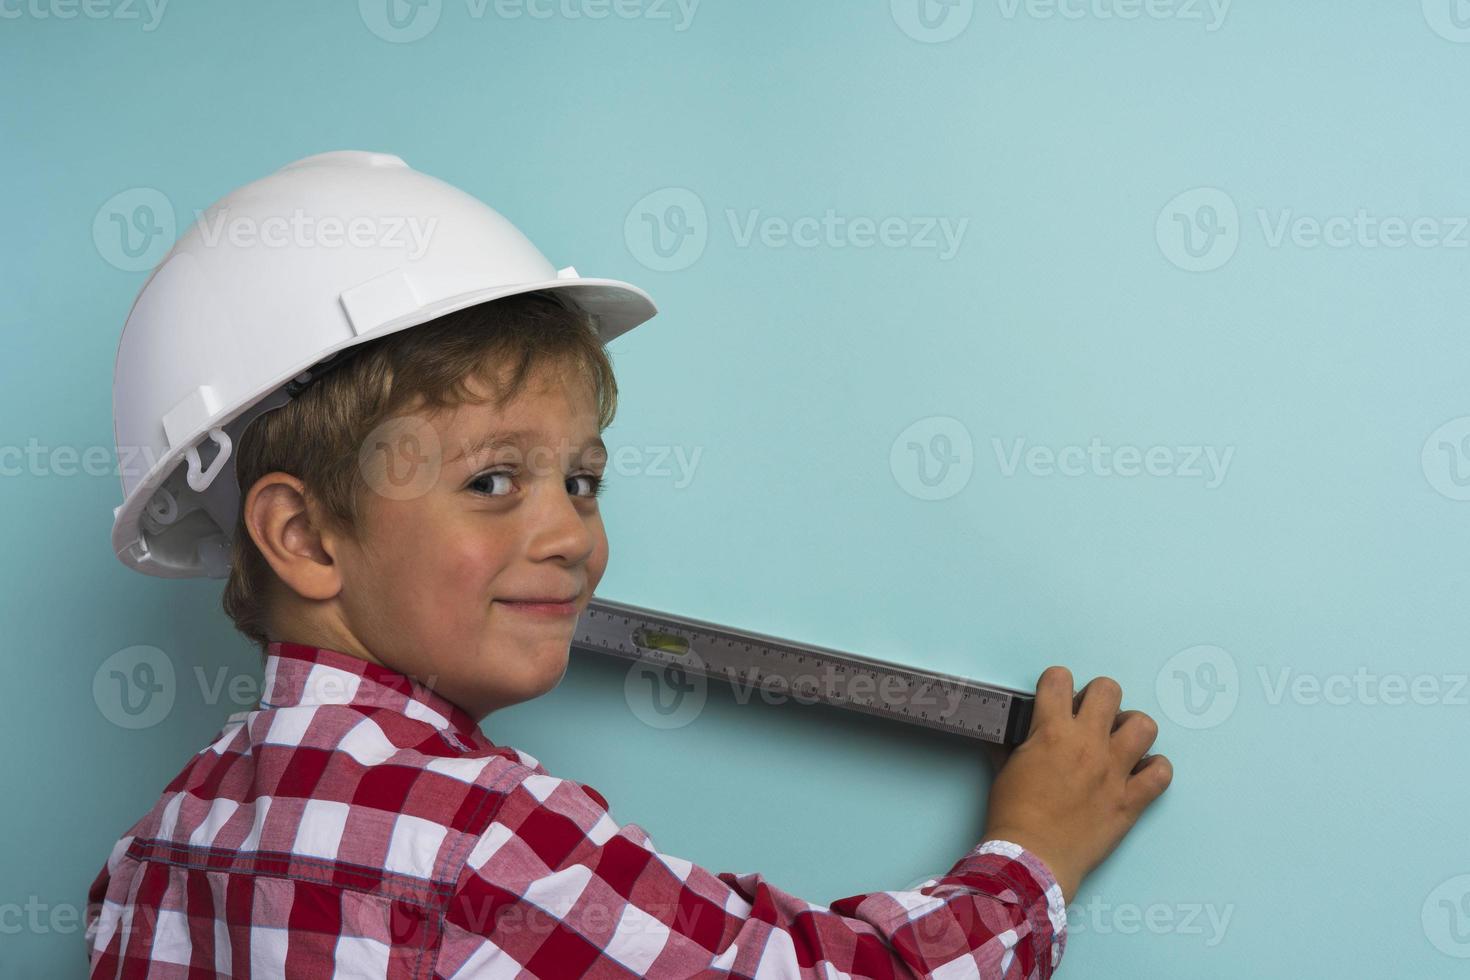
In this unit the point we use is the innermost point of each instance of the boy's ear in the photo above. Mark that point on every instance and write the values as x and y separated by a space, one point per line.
281 521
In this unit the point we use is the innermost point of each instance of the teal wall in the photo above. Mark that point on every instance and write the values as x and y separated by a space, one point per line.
1234 232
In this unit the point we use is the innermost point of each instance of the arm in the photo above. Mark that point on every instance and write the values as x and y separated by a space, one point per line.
555 885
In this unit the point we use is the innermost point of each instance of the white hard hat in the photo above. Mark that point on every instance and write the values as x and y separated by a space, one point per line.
242 306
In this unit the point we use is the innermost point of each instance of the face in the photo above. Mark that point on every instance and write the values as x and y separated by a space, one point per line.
461 527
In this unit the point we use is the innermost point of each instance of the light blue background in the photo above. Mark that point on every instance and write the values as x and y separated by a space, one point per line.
1331 835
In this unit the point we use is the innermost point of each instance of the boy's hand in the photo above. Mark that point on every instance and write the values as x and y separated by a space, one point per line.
997 754
1079 782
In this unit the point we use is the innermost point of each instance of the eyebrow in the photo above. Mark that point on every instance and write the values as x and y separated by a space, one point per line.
518 438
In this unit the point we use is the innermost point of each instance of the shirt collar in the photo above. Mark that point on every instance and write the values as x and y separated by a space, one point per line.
298 673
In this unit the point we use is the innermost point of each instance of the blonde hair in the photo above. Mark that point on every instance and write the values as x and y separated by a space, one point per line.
315 437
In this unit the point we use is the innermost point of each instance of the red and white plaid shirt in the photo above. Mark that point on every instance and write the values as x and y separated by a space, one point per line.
357 824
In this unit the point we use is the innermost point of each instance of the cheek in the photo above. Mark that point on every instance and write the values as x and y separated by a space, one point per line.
467 562
597 562
440 555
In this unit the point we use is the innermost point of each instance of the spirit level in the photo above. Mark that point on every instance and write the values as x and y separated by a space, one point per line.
805 672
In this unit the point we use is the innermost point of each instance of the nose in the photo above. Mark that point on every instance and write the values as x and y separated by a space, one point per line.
556 528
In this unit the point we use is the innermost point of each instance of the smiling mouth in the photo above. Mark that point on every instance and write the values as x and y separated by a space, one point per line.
541 608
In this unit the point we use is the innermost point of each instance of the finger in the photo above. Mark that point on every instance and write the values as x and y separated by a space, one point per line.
1100 700
1121 717
1133 735
1053 697
1149 779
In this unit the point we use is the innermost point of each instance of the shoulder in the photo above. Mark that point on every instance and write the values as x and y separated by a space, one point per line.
321 785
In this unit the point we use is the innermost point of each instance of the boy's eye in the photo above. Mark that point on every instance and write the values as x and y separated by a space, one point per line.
488 479
596 483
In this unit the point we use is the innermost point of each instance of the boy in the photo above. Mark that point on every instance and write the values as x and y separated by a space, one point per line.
413 533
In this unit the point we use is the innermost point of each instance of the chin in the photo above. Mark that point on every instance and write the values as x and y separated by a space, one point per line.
557 670
543 672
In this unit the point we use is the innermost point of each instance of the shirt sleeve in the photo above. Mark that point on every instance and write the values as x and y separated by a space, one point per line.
555 886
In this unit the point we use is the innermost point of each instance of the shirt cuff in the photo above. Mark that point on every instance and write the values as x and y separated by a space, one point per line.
1053 921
